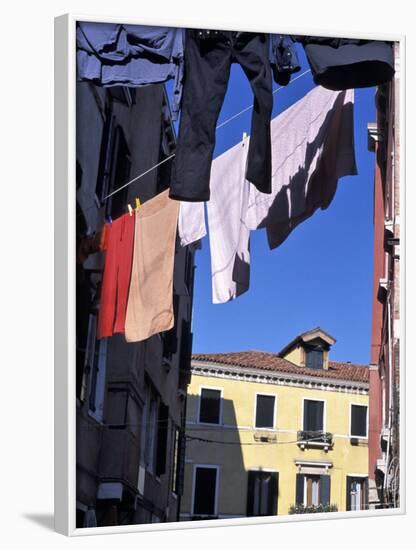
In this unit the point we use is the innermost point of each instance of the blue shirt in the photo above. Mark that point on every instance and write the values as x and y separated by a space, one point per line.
132 55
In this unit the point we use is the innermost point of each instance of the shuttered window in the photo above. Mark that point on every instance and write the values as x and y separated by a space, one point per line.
262 491
315 359
265 411
210 403
313 415
205 491
312 490
358 420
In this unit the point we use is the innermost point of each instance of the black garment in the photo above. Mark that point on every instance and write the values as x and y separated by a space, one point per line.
341 63
208 58
283 58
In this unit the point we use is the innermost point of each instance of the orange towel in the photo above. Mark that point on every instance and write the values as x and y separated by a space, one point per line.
150 301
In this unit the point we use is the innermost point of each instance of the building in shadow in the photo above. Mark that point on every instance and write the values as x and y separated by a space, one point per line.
276 433
384 436
130 397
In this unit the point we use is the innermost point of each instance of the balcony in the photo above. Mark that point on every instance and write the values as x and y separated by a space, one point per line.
119 457
315 439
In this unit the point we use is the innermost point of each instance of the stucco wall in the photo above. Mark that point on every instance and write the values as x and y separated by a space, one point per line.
238 402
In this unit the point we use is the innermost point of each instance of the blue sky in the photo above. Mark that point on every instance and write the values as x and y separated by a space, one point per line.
321 275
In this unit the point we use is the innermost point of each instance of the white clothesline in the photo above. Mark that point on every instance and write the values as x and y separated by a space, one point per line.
236 115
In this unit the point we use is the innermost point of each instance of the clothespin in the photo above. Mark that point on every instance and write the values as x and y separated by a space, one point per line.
109 220
244 137
137 203
130 209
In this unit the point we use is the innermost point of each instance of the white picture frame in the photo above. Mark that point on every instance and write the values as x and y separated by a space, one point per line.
64 384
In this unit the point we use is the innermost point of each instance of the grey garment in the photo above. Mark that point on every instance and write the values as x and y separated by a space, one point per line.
131 55
315 141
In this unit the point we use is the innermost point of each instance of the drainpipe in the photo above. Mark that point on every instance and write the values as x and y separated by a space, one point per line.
390 397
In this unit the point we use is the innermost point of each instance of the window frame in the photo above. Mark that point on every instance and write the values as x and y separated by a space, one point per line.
266 394
217 477
362 437
324 427
220 413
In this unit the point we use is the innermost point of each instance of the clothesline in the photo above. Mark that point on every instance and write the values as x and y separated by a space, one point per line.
236 115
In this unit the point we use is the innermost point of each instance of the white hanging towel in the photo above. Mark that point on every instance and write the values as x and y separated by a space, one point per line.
228 235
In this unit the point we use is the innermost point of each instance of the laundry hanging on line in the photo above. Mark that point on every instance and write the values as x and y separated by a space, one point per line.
200 60
208 59
312 147
118 249
283 58
137 288
150 303
344 63
132 55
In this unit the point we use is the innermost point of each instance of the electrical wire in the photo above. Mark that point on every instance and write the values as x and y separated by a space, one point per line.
203 439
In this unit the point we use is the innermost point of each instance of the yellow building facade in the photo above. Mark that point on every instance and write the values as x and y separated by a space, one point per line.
266 434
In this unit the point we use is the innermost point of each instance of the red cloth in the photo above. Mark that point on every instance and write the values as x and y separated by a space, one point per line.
119 239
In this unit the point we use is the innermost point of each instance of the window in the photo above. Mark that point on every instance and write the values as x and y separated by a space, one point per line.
152 418
357 493
312 490
114 167
265 411
205 490
358 426
313 415
210 403
314 358
262 493
97 390
162 439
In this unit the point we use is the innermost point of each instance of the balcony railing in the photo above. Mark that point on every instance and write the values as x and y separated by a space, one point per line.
318 439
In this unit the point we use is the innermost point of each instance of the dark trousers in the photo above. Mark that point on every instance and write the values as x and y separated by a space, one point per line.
207 70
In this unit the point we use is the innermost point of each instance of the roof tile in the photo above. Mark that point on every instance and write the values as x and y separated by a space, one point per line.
272 362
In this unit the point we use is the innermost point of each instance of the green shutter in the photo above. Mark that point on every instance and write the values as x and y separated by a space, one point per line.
349 481
273 493
300 482
325 489
250 492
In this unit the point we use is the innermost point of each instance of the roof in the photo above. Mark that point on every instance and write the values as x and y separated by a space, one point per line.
272 362
317 332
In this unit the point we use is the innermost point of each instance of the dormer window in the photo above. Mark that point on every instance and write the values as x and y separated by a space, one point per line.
314 358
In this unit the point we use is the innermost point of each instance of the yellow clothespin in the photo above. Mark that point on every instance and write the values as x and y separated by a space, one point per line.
244 138
137 203
130 209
